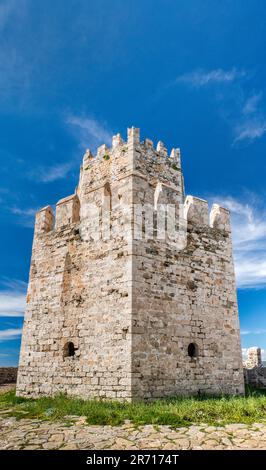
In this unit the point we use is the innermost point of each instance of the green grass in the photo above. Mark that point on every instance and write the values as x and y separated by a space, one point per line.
175 412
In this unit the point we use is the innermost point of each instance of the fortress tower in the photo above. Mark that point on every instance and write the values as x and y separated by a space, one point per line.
132 288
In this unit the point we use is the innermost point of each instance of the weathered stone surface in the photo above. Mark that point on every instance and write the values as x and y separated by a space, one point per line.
114 307
50 435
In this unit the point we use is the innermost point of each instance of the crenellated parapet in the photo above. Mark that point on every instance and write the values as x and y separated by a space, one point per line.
152 174
125 162
44 220
220 218
133 136
117 140
87 158
102 151
196 212
175 157
161 149
134 149
67 211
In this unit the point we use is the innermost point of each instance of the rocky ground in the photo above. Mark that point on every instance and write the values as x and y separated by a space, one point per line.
73 433
35 434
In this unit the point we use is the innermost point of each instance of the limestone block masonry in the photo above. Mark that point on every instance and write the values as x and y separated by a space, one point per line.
117 310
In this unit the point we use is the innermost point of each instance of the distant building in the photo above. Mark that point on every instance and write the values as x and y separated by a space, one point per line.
254 369
253 358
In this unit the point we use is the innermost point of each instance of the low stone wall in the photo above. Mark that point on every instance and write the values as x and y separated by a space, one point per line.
8 375
256 377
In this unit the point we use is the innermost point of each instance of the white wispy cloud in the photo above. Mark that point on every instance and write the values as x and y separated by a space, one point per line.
251 122
200 78
24 217
249 241
15 284
12 333
251 103
12 304
241 108
253 332
49 174
250 129
89 132
12 297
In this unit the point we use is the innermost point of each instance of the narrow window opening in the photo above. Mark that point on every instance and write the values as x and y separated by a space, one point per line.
108 196
69 349
192 350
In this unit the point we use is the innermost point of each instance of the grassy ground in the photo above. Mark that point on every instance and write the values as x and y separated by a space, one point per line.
174 412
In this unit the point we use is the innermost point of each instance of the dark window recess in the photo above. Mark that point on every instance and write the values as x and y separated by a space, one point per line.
69 349
192 350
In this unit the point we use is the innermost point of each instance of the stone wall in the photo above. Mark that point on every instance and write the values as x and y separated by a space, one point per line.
113 316
256 377
80 291
186 297
8 375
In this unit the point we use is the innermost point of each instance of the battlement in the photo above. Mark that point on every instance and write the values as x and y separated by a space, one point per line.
164 185
67 211
131 159
220 218
132 143
44 220
196 212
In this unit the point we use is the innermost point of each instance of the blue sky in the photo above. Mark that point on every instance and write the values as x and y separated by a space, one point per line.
190 73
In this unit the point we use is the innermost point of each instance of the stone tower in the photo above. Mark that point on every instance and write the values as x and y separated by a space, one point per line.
132 288
253 358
